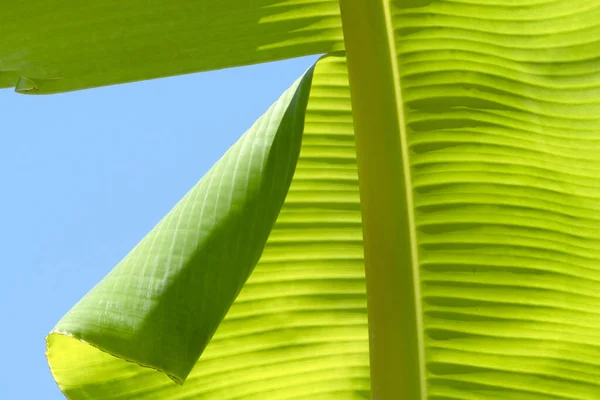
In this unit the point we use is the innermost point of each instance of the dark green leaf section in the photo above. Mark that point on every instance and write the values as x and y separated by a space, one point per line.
161 305
50 46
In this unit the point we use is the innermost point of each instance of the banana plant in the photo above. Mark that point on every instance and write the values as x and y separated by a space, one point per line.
417 217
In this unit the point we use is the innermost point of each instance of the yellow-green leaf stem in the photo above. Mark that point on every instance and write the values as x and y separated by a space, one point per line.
391 257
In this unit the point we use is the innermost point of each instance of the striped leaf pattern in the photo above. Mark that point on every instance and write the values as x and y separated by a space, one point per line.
298 330
502 103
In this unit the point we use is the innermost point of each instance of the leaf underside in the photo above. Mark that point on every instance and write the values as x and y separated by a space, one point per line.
298 328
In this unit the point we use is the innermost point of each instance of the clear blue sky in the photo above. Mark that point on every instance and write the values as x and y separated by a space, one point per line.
86 174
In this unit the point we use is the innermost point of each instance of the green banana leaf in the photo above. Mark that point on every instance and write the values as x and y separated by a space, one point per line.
57 46
299 326
502 104
500 124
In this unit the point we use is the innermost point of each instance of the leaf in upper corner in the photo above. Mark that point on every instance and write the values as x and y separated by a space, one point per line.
71 45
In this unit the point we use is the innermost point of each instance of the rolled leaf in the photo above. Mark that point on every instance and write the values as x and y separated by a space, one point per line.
298 329
161 305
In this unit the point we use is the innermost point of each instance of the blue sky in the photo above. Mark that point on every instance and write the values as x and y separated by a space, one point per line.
86 174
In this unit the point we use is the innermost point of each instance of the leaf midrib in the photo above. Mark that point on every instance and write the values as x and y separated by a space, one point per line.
392 53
